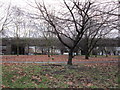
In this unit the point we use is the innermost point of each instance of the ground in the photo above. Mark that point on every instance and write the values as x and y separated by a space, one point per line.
45 58
34 75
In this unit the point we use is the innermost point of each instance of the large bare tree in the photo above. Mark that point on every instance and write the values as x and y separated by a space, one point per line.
72 22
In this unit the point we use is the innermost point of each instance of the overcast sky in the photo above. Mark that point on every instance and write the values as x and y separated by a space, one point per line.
24 3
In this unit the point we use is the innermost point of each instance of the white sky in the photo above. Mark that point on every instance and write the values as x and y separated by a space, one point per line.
23 3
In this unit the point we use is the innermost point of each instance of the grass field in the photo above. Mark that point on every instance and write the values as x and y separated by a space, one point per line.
60 76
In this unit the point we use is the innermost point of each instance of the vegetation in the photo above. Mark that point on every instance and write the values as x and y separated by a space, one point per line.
60 76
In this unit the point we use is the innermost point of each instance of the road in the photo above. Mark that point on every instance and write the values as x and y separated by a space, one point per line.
109 61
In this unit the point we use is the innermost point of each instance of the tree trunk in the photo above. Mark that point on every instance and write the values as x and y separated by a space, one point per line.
17 47
77 53
86 56
70 57
52 51
28 49
106 53
42 51
61 51
35 49
86 47
102 52
114 52
48 52
17 50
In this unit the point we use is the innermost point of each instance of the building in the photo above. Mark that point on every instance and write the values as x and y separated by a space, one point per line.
31 46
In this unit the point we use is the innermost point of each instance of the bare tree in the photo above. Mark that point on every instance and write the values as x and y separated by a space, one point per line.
112 8
16 26
97 31
48 39
72 23
4 19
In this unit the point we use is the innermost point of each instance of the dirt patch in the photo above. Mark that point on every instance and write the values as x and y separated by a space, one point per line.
52 65
57 58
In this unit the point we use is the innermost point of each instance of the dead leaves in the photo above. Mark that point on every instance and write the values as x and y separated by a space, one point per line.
69 83
3 86
37 79
89 84
93 65
21 73
54 75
